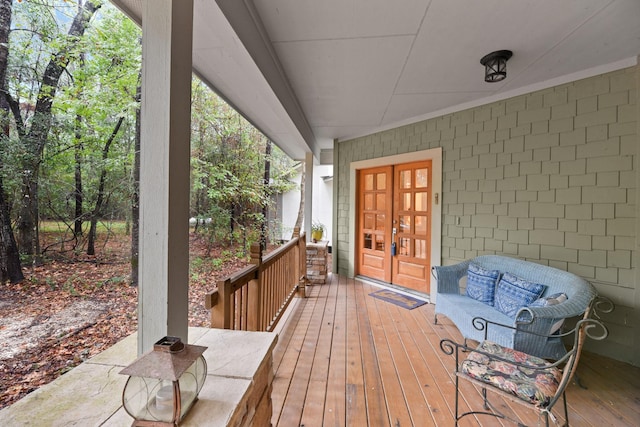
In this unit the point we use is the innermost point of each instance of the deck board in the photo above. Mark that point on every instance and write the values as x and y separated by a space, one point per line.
375 402
355 400
344 358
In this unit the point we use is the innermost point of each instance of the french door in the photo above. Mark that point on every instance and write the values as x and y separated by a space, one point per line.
394 228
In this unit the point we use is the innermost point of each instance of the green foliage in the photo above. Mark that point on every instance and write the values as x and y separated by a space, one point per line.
228 161
97 88
317 227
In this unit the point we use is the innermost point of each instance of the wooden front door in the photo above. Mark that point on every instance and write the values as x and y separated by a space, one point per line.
375 205
394 224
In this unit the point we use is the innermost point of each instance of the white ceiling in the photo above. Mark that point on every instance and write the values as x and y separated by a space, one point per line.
307 72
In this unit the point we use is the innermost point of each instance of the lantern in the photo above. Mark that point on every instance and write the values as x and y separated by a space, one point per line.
164 383
495 65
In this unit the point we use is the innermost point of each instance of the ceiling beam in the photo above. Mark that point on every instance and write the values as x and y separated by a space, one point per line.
241 15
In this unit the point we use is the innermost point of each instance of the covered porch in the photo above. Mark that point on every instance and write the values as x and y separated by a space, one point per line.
540 166
342 357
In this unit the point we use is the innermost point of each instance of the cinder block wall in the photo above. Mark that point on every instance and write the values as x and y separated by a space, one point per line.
550 176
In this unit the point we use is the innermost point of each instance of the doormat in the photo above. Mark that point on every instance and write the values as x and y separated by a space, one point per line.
401 300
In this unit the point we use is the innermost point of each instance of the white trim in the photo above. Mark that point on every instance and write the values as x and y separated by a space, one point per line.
567 78
435 155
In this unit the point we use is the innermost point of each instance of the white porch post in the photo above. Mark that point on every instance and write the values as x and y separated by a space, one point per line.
308 193
163 299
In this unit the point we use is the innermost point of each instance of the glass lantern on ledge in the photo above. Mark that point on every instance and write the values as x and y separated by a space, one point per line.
164 383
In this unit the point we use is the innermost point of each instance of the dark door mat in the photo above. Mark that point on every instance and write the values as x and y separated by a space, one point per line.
398 299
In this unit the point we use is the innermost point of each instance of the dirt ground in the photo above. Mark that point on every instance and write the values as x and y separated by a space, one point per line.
74 307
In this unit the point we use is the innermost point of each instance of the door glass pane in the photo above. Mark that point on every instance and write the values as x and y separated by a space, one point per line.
382 181
381 202
405 224
380 222
420 249
406 202
368 202
404 246
369 221
422 178
421 201
367 242
405 179
420 224
368 182
379 242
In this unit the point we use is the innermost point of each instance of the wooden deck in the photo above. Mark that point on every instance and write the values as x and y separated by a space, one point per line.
347 359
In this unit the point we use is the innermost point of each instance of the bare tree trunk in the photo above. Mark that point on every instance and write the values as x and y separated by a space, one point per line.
135 198
301 206
97 210
79 213
10 266
265 206
78 156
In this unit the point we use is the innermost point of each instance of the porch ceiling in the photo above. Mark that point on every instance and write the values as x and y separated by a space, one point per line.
308 72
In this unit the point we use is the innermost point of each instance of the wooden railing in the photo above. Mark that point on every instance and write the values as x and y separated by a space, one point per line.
254 299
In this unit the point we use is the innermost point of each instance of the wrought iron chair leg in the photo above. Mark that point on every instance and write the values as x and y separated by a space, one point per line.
566 411
484 398
457 392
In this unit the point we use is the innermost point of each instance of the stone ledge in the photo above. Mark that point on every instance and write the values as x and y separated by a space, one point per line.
238 378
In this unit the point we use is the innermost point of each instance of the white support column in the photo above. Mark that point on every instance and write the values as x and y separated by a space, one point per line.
308 194
163 298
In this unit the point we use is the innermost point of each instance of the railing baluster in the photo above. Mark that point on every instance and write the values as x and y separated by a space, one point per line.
256 297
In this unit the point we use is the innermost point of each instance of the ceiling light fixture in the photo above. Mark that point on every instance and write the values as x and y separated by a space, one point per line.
495 65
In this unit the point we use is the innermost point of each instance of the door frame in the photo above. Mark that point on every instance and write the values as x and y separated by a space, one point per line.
435 155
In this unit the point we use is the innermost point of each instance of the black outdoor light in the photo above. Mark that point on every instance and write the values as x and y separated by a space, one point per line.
495 65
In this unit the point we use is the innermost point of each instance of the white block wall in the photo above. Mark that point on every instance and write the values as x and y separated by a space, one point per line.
321 205
550 176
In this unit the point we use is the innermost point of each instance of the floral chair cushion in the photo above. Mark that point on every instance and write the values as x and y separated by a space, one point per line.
534 386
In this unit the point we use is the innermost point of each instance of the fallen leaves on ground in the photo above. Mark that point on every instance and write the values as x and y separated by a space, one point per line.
80 306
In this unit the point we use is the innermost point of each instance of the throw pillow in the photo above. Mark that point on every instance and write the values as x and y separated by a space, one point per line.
550 300
513 293
554 299
481 283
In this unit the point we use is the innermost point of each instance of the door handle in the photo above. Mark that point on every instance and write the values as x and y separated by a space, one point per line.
393 241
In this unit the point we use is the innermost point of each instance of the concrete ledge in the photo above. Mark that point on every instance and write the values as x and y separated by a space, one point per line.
239 373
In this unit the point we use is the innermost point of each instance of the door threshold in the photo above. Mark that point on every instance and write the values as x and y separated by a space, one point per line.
397 288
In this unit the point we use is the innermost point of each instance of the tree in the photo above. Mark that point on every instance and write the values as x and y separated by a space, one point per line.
300 216
33 138
97 210
135 194
10 266
265 206
229 157
94 93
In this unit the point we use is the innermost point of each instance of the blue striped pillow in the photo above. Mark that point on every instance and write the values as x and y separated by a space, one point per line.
513 293
481 283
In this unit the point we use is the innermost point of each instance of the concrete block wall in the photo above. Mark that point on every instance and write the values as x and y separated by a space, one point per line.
550 176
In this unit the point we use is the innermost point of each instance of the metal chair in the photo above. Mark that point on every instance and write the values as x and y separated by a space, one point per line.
522 378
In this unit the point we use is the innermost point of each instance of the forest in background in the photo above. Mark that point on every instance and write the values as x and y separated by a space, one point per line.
71 74
69 111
